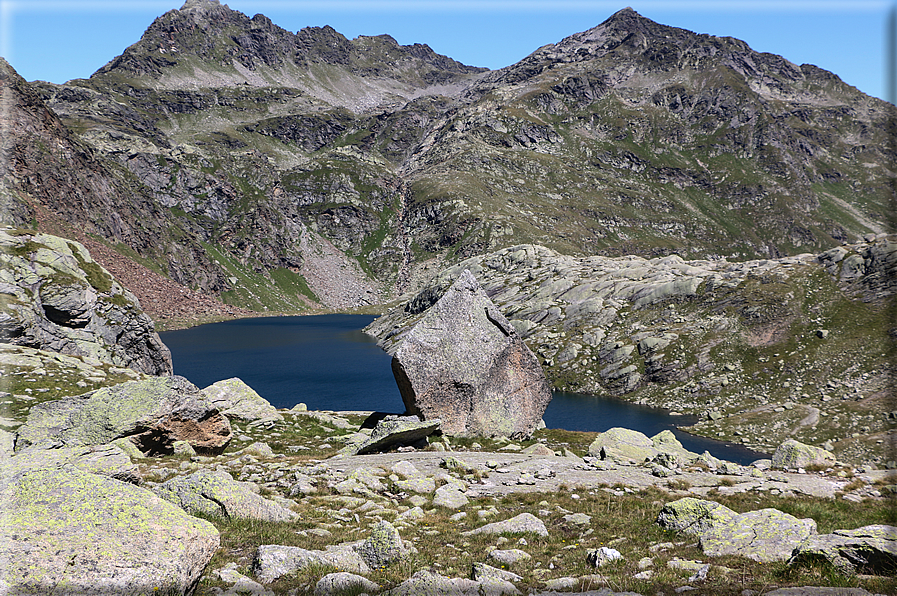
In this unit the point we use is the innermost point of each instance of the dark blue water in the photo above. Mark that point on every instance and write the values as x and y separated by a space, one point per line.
326 362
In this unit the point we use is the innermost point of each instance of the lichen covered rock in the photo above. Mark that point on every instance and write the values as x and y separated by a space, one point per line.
464 364
383 547
236 399
216 493
793 454
153 412
72 532
765 535
693 516
868 550
59 299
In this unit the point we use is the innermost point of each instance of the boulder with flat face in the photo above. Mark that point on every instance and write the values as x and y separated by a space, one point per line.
67 531
153 413
466 365
867 550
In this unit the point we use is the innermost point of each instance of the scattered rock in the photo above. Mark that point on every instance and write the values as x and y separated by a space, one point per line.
449 496
464 364
273 561
602 556
508 557
342 582
383 547
525 523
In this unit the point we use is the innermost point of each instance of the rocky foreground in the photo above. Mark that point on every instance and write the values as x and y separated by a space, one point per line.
279 503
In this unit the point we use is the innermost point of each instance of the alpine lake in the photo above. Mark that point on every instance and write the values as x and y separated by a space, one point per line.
328 363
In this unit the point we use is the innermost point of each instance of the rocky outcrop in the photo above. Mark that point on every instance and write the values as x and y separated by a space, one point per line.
868 550
152 413
69 531
626 445
759 351
57 298
464 364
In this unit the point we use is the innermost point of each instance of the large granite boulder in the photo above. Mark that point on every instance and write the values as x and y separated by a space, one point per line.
153 413
793 454
466 365
66 531
215 493
868 550
57 298
236 399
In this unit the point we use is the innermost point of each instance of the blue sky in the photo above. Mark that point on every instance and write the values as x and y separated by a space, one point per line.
58 40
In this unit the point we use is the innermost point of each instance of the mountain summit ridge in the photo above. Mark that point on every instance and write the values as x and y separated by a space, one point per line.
256 144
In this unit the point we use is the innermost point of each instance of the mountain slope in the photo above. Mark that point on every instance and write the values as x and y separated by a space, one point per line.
275 155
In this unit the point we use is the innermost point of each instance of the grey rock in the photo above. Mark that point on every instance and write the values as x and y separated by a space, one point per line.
464 363
216 493
602 556
425 583
765 535
61 300
69 531
449 496
341 582
693 516
272 561
867 550
481 571
794 454
383 547
153 412
508 557
525 523
236 399
395 431
105 460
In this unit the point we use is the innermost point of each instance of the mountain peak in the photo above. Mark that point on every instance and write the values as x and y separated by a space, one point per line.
190 4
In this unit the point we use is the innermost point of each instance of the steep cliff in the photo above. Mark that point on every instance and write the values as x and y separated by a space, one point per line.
55 297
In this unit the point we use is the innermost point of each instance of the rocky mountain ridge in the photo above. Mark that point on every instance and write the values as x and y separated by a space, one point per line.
261 157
